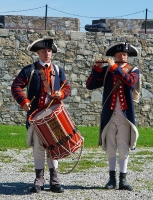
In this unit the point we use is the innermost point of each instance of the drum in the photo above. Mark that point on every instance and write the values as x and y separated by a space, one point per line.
56 130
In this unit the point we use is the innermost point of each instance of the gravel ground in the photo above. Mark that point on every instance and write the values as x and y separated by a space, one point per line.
87 185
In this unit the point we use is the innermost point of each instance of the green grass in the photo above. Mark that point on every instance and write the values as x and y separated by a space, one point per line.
15 137
27 168
83 165
145 137
89 159
90 134
12 137
6 159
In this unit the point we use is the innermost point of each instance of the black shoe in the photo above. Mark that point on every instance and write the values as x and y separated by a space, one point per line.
112 181
57 188
36 189
123 184
111 184
125 187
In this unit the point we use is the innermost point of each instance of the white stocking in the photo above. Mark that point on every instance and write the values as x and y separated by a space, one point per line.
123 165
52 164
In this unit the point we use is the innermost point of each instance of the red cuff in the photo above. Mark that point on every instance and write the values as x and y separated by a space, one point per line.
98 69
113 67
23 102
62 94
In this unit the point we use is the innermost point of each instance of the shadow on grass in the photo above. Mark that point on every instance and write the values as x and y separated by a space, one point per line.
80 187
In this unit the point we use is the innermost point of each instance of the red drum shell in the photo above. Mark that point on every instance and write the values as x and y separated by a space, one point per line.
57 131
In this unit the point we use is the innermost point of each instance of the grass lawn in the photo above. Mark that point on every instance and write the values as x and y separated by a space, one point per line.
15 136
12 137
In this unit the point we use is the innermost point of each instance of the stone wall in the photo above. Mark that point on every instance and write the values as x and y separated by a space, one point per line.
118 26
76 54
39 23
129 26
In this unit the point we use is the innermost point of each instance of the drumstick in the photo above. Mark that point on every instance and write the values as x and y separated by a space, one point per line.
53 98
32 100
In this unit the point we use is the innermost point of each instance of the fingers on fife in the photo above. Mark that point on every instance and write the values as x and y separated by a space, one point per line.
99 63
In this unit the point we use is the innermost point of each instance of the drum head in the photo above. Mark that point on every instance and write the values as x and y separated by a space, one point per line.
44 113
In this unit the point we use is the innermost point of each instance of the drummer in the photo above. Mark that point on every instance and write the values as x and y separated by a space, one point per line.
41 86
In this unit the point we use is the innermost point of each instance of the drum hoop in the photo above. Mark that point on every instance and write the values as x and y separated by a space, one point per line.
48 117
40 109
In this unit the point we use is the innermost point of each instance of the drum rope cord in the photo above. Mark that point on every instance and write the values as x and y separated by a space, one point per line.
74 166
62 127
64 131
69 151
52 133
45 142
59 135
40 135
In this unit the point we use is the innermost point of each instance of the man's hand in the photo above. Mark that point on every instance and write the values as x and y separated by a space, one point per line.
110 61
58 95
26 106
99 63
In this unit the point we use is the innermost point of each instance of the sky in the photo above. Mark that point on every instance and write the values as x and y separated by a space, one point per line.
85 10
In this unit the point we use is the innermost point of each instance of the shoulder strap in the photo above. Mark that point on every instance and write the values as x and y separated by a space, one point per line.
57 68
108 68
32 71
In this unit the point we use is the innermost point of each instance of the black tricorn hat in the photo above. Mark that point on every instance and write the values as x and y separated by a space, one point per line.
122 47
44 43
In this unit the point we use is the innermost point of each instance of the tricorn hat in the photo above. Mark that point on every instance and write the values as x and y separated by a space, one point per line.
122 47
44 43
